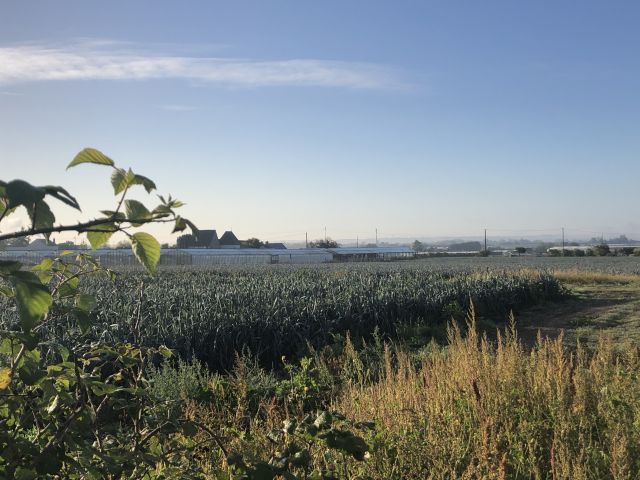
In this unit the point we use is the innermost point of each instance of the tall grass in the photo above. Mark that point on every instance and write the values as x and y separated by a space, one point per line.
482 410
582 277
473 409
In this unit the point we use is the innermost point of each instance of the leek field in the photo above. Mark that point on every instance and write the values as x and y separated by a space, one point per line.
269 312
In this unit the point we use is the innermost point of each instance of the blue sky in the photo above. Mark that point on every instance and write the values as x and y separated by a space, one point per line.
279 118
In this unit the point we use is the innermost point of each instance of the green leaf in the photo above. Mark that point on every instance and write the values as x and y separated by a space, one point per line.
45 264
47 463
84 319
161 211
91 155
323 420
147 183
62 195
9 266
146 249
25 474
189 429
347 442
100 234
121 179
29 371
136 211
40 215
263 471
70 285
5 211
86 302
119 216
191 225
19 192
101 388
32 296
164 351
180 225
5 378
53 405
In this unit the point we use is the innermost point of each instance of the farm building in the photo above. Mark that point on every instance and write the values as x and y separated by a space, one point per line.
255 256
343 254
201 239
229 240
230 256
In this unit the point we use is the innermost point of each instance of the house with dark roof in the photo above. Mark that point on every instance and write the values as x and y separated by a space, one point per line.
229 240
201 239
207 239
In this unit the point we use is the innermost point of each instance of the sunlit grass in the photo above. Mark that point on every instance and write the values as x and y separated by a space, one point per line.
582 277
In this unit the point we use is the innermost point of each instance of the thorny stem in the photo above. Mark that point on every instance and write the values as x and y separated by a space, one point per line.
81 227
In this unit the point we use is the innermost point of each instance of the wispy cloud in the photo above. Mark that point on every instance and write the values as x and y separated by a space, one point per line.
106 61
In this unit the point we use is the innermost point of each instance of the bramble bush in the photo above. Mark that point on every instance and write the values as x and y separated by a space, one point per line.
86 411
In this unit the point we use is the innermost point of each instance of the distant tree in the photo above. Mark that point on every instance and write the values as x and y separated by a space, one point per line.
601 250
418 246
186 241
324 243
542 247
68 245
521 250
122 244
626 250
15 242
465 247
253 243
578 252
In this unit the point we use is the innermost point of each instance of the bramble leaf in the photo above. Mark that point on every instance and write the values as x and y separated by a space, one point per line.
9 266
146 249
100 234
41 215
62 195
180 225
86 302
32 296
121 179
90 155
19 192
147 183
136 211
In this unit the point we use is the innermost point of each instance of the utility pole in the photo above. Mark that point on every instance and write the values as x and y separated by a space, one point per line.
325 234
563 241
485 242
357 239
306 240
376 237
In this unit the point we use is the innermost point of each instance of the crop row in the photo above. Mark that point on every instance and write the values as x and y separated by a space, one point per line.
211 314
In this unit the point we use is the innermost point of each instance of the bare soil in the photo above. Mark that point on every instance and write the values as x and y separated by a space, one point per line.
589 311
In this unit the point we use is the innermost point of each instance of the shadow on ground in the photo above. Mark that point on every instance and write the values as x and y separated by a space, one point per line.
589 311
